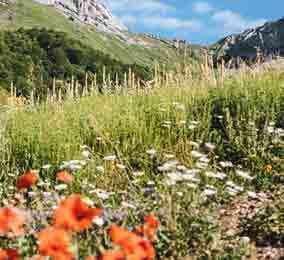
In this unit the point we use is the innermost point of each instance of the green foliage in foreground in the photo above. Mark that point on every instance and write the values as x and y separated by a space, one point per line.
30 58
240 118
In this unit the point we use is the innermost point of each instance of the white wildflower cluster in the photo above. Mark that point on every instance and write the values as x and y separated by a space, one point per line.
244 175
193 124
233 189
73 165
179 106
102 194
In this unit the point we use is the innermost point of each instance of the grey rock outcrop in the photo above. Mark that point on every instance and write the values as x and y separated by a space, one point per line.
265 42
91 12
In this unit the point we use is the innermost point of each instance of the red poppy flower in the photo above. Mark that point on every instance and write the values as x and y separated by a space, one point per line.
133 245
113 255
55 243
9 254
27 180
90 257
74 214
11 220
149 228
64 176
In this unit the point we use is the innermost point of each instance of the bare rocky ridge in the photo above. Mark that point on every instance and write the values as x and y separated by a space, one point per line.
264 42
90 12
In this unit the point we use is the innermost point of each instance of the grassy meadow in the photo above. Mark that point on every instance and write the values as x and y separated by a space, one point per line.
184 152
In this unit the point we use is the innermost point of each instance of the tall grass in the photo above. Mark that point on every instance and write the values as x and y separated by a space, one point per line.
241 114
129 124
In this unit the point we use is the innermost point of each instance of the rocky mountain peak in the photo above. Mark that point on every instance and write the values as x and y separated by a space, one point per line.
91 12
265 42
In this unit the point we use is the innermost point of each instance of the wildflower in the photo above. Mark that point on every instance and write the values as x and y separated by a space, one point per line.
99 221
201 165
244 174
27 180
252 195
168 166
209 192
169 156
132 244
138 173
46 166
180 194
11 220
73 165
149 228
170 182
104 195
128 205
192 127
194 144
268 168
74 214
192 185
120 166
204 159
270 129
166 125
113 255
210 147
193 171
217 175
90 257
196 154
86 154
38 257
55 243
100 169
227 164
32 194
61 187
64 176
175 176
9 254
234 186
181 168
151 152
179 106
110 158
194 122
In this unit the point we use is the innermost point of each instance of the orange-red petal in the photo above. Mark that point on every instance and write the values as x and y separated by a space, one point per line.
27 180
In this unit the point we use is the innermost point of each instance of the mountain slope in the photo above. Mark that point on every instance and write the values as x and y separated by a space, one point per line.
265 41
32 58
91 12
29 14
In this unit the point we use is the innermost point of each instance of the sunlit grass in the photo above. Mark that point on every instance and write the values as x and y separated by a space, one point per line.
180 152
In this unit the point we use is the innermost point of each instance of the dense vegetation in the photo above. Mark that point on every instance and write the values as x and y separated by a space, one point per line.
31 58
183 152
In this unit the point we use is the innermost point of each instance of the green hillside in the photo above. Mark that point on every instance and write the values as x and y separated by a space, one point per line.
32 58
28 14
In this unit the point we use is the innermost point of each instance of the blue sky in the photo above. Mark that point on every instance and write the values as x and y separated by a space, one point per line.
197 21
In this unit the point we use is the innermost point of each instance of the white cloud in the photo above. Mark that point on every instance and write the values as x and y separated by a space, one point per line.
202 7
172 23
232 22
159 22
152 14
141 6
